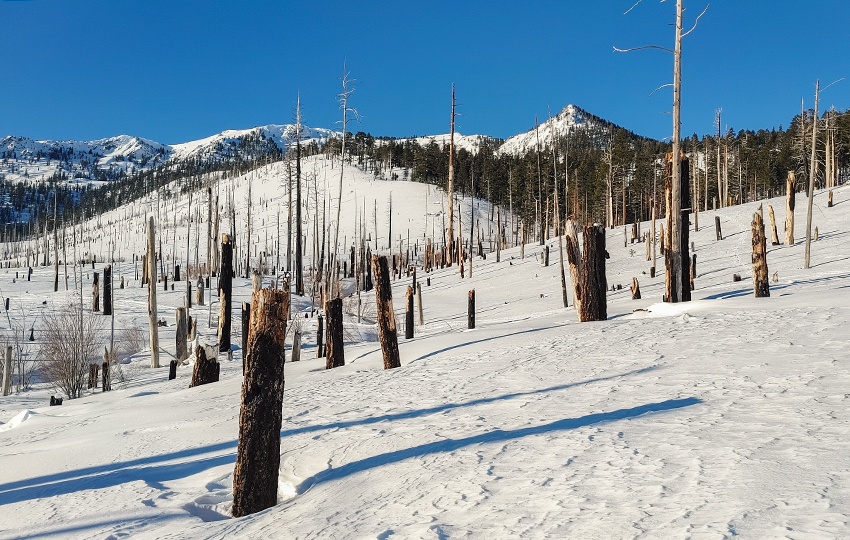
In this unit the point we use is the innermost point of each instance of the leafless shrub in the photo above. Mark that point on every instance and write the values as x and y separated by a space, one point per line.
72 340
131 340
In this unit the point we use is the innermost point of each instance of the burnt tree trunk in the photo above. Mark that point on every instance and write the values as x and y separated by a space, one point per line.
246 324
408 314
320 353
334 353
387 332
574 260
206 366
95 292
635 289
225 290
172 370
761 286
594 284
255 477
181 334
789 209
717 228
470 310
107 289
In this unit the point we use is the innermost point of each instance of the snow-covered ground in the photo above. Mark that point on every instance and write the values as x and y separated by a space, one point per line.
726 416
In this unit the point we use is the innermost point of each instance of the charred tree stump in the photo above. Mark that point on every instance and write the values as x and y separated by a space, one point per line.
206 366
181 333
255 477
789 209
106 374
419 304
121 284
7 372
320 328
296 346
761 285
172 370
387 332
95 292
774 238
199 293
107 289
635 289
188 293
717 228
829 201
176 272
594 284
408 314
334 353
546 256
693 269
246 324
225 290
470 310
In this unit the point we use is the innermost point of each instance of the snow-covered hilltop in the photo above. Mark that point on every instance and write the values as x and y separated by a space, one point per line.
569 120
28 160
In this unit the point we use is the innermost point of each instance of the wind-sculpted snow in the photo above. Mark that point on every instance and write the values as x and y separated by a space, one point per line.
726 416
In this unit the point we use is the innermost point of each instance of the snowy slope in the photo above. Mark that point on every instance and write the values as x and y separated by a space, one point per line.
470 143
726 416
570 119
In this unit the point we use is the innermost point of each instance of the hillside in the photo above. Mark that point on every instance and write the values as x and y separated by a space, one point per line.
725 416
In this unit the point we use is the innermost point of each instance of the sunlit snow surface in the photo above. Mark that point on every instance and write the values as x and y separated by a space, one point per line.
727 416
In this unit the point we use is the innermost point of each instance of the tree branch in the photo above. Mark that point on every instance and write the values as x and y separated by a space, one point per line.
696 21
645 47
660 87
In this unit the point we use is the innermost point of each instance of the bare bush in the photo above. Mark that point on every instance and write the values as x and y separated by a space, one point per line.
72 340
366 307
131 340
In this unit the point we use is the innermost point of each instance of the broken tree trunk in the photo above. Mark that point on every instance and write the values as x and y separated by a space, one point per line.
334 353
789 209
255 476
153 323
408 315
470 310
387 332
107 289
635 289
594 284
225 289
95 292
246 325
419 303
206 366
774 239
574 260
320 328
761 286
717 228
7 372
181 334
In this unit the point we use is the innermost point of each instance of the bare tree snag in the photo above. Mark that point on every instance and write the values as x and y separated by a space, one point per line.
181 334
334 353
95 292
255 477
789 209
774 239
7 372
225 290
199 294
408 315
172 370
828 203
470 310
106 374
107 289
296 346
635 289
246 324
320 328
419 303
153 323
206 368
574 260
387 332
594 284
717 231
761 286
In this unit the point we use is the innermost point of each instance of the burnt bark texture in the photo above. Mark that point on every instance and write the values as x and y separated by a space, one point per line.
470 310
594 284
320 328
225 291
181 334
761 286
255 476
206 366
334 353
678 286
789 209
246 325
635 289
95 292
408 315
107 289
387 331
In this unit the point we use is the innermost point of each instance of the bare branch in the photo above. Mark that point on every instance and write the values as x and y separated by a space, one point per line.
696 21
634 6
833 82
660 87
645 47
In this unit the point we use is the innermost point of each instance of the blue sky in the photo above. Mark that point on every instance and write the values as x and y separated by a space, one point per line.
181 70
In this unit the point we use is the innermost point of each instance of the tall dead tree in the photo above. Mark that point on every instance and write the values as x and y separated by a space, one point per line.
789 209
225 290
153 323
299 257
450 233
761 287
255 476
107 289
334 352
594 283
812 174
387 332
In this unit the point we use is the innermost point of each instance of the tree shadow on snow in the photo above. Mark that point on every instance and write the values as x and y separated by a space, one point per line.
496 436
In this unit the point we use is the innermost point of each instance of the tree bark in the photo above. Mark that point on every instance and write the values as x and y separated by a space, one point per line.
789 209
296 346
107 289
95 302
255 477
246 325
717 231
470 310
334 353
181 333
320 329
761 286
387 331
408 315
206 368
774 239
419 303
635 289
7 372
150 260
594 283
225 289
574 260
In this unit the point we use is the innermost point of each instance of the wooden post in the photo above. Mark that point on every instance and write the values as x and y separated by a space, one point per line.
180 334
107 289
594 284
255 477
334 353
408 315
386 316
153 324
225 289
320 328
206 366
419 303
717 228
635 289
774 239
95 292
470 310
7 372
761 286
789 209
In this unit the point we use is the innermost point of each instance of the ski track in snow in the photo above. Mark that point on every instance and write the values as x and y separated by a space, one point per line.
726 416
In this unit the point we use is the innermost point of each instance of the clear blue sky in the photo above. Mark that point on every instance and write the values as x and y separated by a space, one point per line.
185 69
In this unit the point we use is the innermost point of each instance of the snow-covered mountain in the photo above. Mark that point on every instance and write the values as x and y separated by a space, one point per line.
470 143
569 120
24 159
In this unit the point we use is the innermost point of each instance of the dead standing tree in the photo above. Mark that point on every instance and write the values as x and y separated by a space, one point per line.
387 331
761 287
153 323
255 476
225 289
594 284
